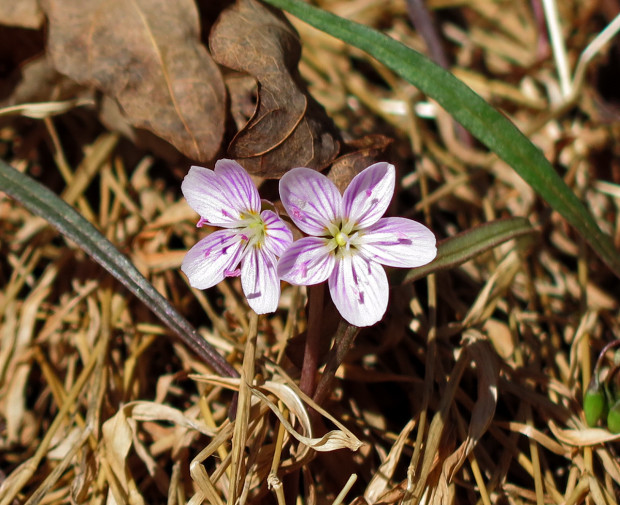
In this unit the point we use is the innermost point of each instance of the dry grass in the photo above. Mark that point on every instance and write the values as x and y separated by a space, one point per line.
470 389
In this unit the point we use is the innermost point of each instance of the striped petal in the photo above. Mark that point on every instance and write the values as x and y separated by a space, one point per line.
240 189
308 261
311 200
259 280
214 257
398 242
368 196
221 197
359 289
277 235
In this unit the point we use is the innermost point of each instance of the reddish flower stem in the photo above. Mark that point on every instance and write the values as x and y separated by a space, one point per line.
345 336
307 382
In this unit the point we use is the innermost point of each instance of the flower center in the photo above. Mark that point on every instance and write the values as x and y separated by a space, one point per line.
343 242
341 239
253 229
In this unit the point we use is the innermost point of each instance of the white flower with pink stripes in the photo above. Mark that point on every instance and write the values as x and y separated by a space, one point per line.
349 239
227 198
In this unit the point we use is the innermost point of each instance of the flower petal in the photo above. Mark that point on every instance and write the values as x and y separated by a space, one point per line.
278 236
241 191
213 258
308 261
259 280
368 196
311 200
359 289
398 242
221 196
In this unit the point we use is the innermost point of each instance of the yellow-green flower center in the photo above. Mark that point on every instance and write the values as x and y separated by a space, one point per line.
253 229
344 240
341 239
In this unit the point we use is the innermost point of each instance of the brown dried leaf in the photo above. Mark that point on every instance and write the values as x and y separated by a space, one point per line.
242 90
24 13
379 483
362 153
288 128
36 80
147 54
584 436
290 395
529 431
120 434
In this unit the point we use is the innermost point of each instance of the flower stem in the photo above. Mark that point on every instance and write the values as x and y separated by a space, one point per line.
345 336
312 348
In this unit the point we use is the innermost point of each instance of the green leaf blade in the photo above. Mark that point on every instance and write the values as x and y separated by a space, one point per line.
41 201
487 124
456 250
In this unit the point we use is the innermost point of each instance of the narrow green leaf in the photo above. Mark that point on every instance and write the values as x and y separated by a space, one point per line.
41 201
488 125
456 250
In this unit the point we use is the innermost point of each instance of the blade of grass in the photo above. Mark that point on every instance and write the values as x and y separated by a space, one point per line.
41 201
456 250
487 124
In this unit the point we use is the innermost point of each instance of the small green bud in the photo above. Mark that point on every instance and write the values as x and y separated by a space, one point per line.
595 402
594 406
613 418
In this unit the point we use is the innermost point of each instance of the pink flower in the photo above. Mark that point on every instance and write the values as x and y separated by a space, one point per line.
227 198
349 239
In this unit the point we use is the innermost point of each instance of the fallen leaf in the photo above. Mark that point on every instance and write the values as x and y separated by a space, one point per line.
18 47
36 80
243 93
584 436
120 434
148 56
361 153
380 481
24 13
289 395
288 127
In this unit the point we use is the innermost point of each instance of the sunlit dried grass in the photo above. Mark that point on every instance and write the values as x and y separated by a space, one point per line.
469 391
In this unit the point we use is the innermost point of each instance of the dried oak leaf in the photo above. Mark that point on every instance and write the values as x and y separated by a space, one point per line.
23 13
148 56
359 154
288 127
